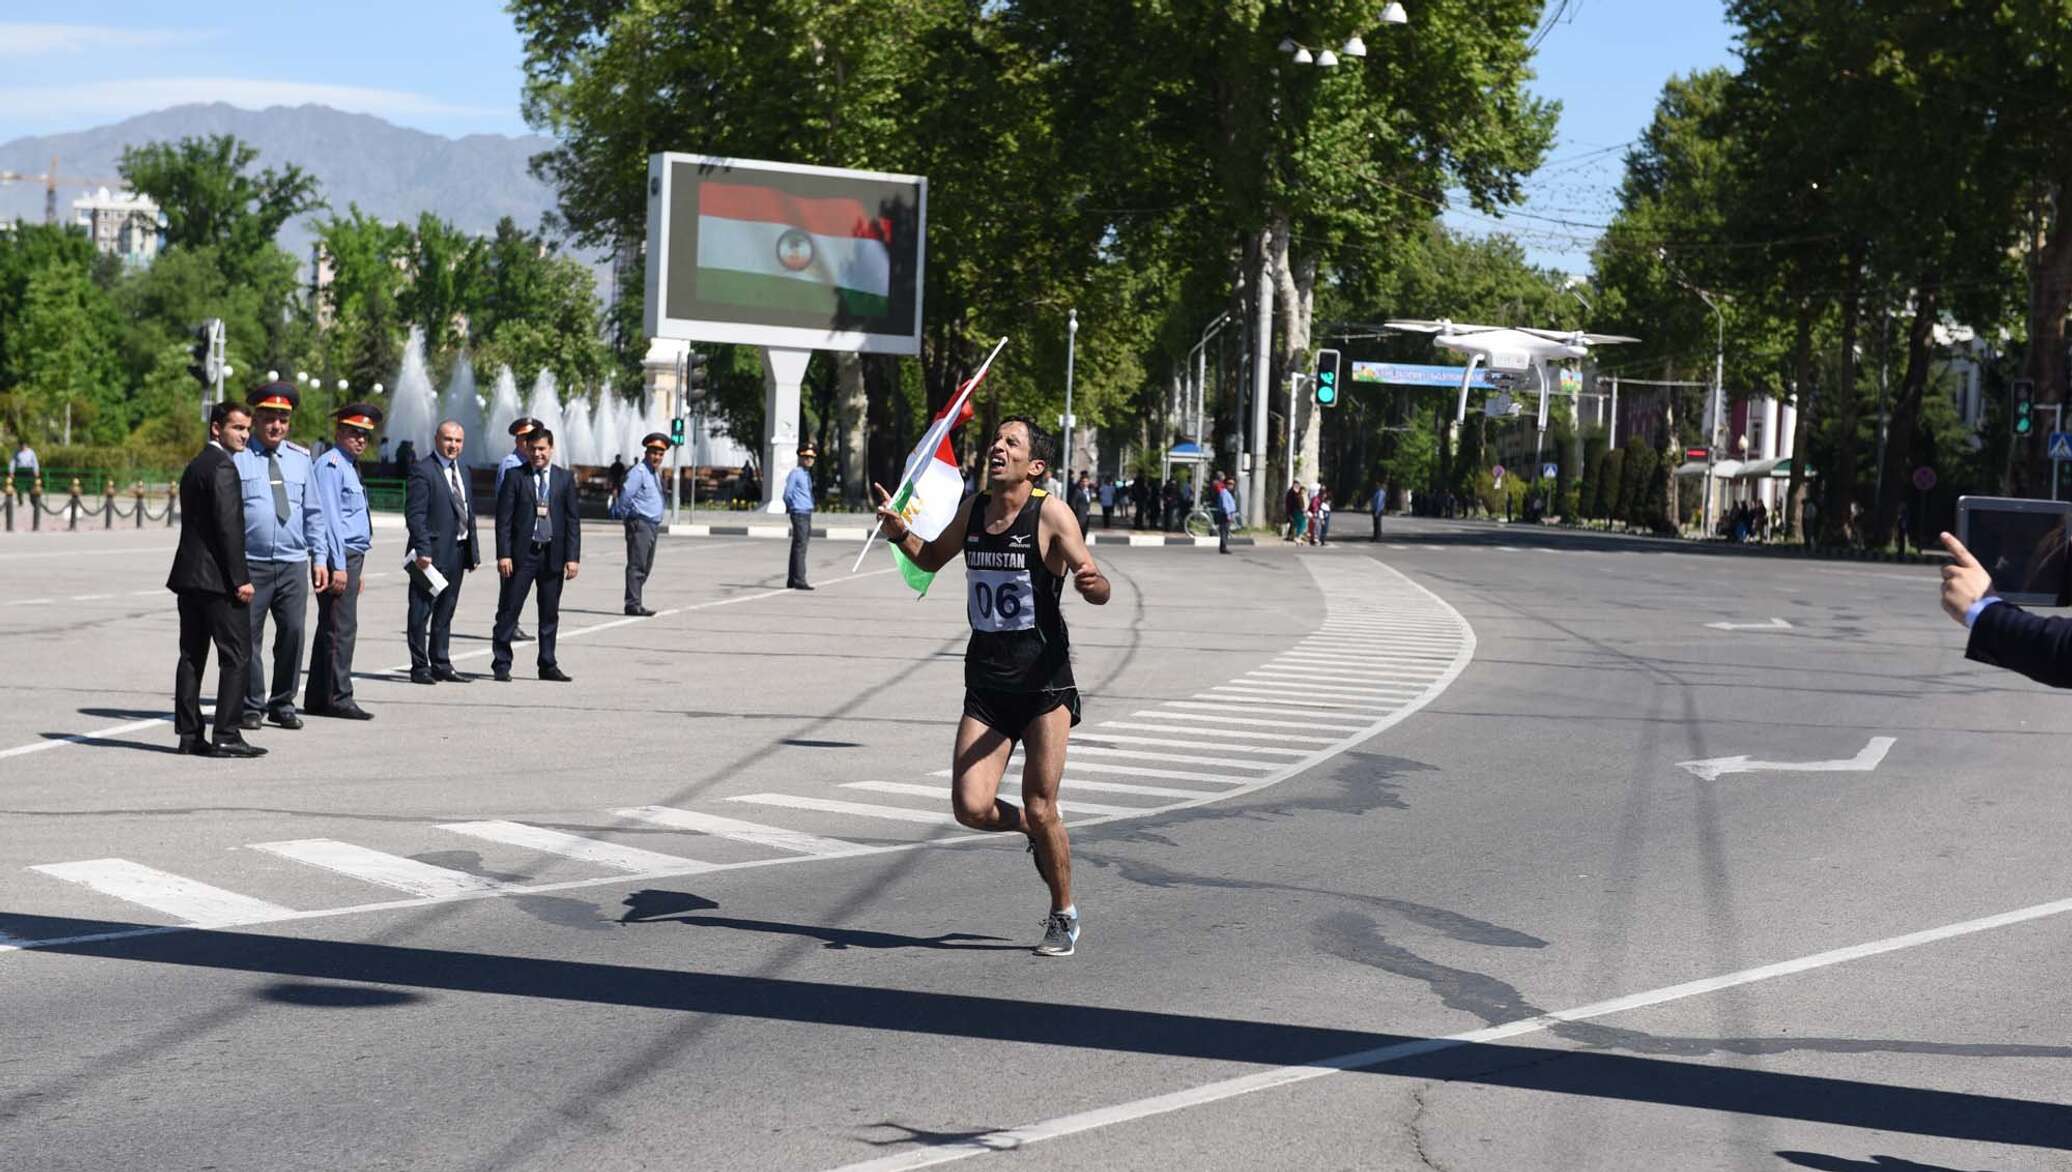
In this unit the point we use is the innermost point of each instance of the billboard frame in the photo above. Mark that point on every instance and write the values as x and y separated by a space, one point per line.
658 324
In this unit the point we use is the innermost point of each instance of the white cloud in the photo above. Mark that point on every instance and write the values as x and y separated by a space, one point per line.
77 102
22 39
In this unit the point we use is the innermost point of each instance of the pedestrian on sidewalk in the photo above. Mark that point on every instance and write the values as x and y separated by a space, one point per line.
1296 505
1379 503
1107 502
214 588
798 506
639 506
1226 509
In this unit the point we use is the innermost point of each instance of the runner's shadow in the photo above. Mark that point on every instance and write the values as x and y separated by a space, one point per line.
647 907
108 742
1874 1164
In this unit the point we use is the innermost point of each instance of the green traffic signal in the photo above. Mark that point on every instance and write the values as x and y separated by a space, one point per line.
1327 378
676 431
2023 412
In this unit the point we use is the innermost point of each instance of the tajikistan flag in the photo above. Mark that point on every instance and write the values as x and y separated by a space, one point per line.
767 249
933 487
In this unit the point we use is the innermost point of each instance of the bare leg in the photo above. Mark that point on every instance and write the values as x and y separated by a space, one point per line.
981 760
1043 742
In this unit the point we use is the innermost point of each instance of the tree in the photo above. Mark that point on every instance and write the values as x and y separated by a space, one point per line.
359 310
68 368
210 198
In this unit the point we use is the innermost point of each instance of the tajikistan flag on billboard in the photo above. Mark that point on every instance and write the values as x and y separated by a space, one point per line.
769 249
932 488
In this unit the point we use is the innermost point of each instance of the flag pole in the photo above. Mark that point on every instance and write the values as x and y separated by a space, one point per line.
948 418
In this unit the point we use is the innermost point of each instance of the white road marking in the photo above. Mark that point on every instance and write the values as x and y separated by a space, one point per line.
1230 1088
380 867
194 902
1081 749
1264 695
796 841
860 809
1095 734
1014 765
942 793
113 730
1410 677
1319 720
572 846
1714 768
1196 731
1775 624
86 553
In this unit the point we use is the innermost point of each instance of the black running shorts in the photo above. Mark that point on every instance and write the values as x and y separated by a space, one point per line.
1010 713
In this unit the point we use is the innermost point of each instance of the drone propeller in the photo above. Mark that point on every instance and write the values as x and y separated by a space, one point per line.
1576 337
1441 326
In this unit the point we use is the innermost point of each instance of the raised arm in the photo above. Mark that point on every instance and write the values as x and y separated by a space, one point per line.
929 555
1065 552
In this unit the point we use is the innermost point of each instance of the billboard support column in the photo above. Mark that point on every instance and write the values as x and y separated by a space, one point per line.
784 370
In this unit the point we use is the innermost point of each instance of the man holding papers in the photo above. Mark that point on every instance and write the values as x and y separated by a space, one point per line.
440 512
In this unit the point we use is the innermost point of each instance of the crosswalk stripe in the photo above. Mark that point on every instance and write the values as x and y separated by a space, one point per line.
1311 718
1227 693
1107 737
1014 770
737 830
931 791
860 809
1234 733
1356 679
380 867
183 899
574 846
1081 749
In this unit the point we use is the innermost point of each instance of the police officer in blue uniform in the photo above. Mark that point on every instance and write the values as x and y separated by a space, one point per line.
639 505
284 548
522 430
349 534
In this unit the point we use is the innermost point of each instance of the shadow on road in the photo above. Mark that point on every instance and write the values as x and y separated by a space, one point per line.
1897 1109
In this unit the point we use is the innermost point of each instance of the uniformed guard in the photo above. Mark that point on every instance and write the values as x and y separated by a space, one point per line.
522 430
349 535
284 548
639 505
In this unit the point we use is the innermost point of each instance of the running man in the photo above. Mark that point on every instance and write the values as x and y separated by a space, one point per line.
1020 544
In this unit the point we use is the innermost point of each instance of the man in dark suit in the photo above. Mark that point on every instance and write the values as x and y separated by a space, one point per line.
214 588
539 541
2003 634
439 508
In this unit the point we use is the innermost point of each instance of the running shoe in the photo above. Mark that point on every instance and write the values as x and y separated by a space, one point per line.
1060 935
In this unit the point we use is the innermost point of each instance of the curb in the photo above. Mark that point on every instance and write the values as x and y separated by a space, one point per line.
1728 548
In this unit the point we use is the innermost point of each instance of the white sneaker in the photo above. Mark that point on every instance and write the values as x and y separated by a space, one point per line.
1060 934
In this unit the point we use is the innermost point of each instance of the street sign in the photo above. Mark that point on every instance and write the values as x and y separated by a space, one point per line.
1497 473
1549 471
2061 445
1924 477
1697 453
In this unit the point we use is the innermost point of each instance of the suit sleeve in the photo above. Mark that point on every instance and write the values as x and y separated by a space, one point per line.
230 525
571 517
506 508
474 550
2007 636
417 498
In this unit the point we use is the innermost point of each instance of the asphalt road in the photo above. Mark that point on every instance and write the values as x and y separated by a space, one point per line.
1386 852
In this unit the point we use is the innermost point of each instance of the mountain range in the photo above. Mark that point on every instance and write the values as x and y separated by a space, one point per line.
390 171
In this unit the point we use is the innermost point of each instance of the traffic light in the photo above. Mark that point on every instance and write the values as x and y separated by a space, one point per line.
693 376
2024 407
198 355
1327 378
676 432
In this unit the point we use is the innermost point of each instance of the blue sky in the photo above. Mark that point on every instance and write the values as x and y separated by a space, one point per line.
452 67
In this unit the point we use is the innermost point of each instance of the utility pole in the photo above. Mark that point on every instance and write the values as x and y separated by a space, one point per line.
1262 374
1065 432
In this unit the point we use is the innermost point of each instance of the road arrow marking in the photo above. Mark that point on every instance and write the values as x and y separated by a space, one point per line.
1713 768
1772 625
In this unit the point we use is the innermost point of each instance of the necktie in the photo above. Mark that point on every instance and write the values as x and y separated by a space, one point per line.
280 487
541 530
460 502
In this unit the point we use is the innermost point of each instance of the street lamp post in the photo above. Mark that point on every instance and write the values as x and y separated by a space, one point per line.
1065 432
1199 406
1719 382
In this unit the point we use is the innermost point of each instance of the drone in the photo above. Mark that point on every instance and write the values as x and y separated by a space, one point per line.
1508 351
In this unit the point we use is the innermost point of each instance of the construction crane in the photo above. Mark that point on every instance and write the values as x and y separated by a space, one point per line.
51 180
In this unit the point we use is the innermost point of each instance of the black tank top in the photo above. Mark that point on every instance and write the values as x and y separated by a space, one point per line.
1018 641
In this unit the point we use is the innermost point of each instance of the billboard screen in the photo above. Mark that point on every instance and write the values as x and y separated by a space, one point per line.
783 254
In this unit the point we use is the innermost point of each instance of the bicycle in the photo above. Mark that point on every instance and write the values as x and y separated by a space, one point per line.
1200 523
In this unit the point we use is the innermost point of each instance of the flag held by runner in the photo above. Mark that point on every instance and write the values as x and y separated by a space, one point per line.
933 487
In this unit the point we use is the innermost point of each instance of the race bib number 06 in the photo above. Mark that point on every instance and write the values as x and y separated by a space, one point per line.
1000 600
